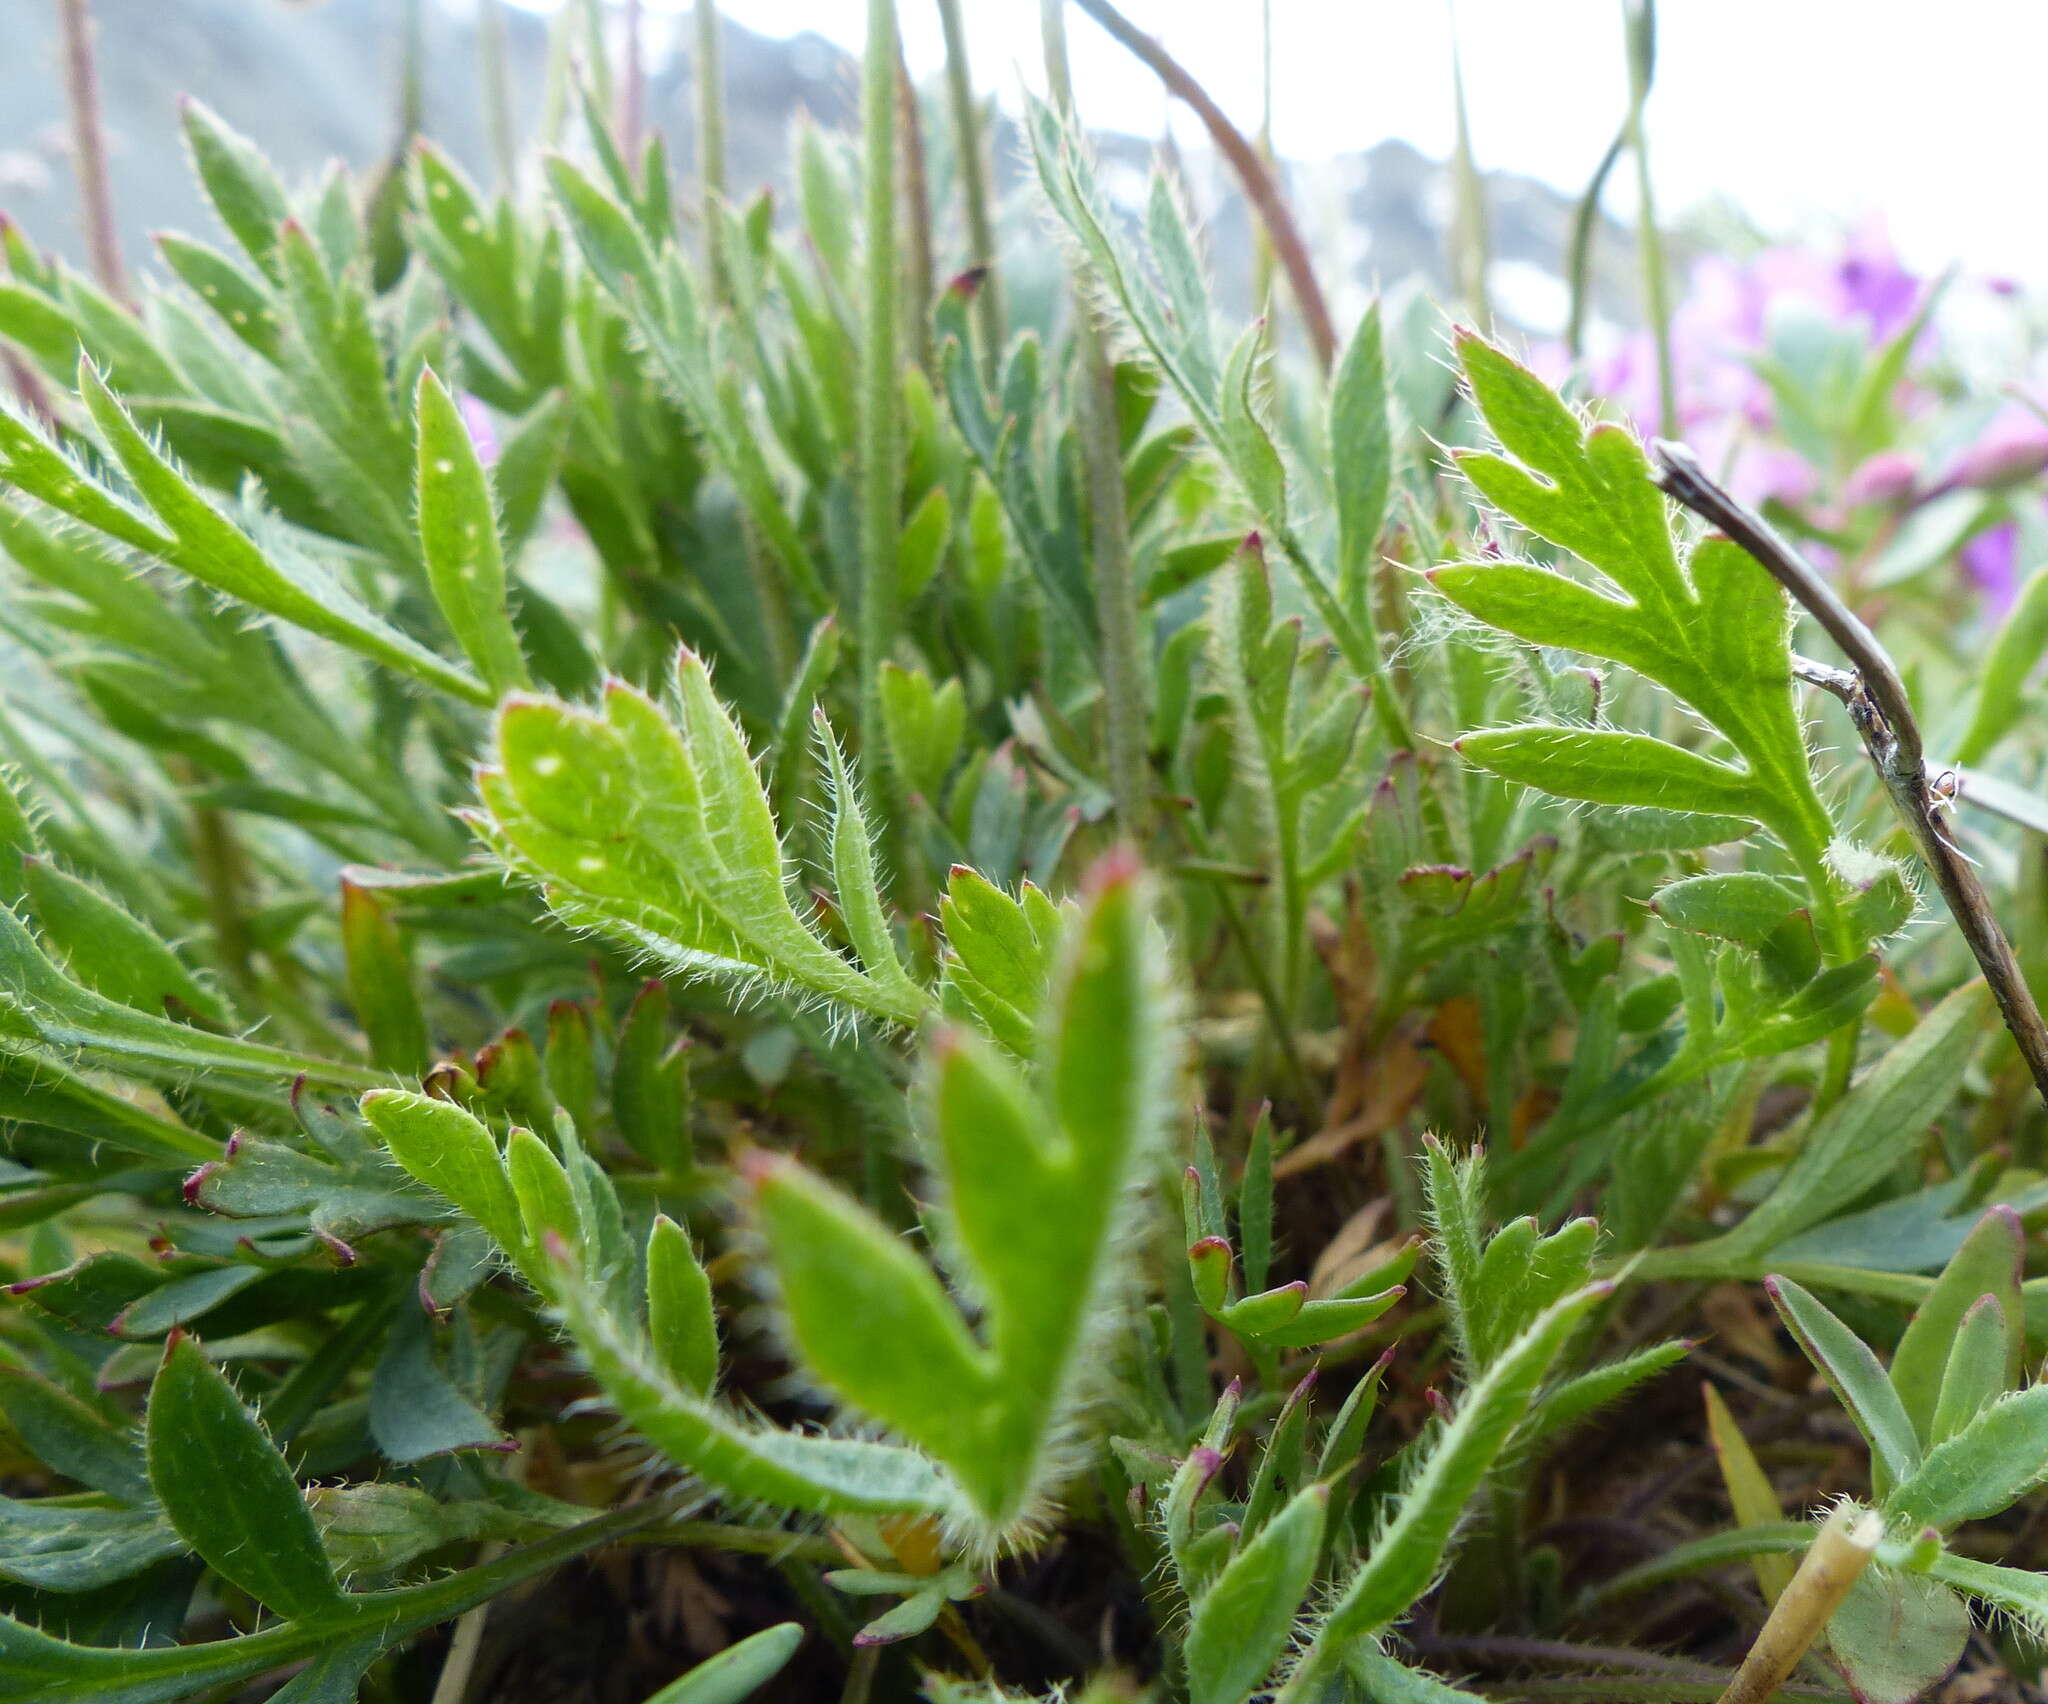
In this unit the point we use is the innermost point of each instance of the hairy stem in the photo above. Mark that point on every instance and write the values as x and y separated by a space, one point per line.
880 449
1124 672
632 110
89 148
497 90
1642 67
917 220
970 162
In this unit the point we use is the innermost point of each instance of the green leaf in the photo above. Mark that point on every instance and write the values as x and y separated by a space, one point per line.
658 832
245 306
2002 679
540 1184
681 1324
1608 767
1037 1177
417 1411
1389 1682
70 1438
1897 1635
1361 455
736 1672
217 553
1982 1470
1975 1376
458 521
69 1549
110 951
650 1086
1850 1367
999 955
1736 906
742 1457
38 1003
1863 1136
856 883
1255 1203
914 1364
2018 1592
1589 1392
1244 1621
452 1154
244 191
228 1491
1987 1264
923 727
381 985
1409 1550
1246 443
1714 632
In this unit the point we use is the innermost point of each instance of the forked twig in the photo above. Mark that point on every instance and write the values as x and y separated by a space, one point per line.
1878 705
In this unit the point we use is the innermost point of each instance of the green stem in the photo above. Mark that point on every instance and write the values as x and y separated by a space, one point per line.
632 109
917 220
880 449
1469 234
1124 675
710 81
497 90
1585 226
1642 62
970 163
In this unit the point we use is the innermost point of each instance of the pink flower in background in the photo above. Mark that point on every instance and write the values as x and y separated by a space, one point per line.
1870 281
2011 448
1992 560
1887 477
477 419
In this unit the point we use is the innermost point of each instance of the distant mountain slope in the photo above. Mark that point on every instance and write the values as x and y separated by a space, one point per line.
316 81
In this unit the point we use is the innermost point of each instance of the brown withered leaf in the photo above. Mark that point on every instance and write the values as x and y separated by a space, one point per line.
1394 1084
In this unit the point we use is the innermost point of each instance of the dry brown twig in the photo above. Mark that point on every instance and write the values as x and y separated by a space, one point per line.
1238 149
1883 714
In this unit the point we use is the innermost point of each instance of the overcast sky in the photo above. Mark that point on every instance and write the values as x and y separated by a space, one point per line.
1796 110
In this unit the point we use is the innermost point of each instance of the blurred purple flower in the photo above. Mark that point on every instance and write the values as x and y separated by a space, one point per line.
1991 559
2013 446
1872 282
1887 477
477 419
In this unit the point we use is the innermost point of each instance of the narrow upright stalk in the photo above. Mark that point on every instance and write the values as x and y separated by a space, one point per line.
1641 23
710 80
1585 227
1471 235
497 89
89 148
917 220
597 62
970 164
1259 186
632 114
1262 255
1124 677
880 447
